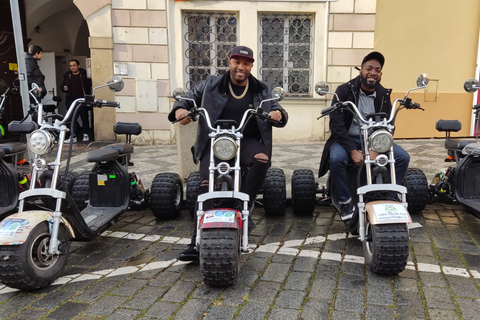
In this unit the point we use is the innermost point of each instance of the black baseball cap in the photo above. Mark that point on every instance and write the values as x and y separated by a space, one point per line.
374 55
242 52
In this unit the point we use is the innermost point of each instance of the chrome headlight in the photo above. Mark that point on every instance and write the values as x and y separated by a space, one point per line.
380 141
225 148
41 142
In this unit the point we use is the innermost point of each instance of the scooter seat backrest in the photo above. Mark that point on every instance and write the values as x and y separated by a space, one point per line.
448 125
122 148
102 155
10 148
22 127
127 128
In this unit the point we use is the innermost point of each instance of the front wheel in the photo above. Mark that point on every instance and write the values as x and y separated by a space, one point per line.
220 256
30 266
304 192
386 248
417 190
166 195
274 192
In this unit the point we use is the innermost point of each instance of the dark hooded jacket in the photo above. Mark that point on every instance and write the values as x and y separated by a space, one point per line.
86 84
340 121
212 94
34 75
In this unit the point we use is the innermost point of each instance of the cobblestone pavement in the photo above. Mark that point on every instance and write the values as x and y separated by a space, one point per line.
298 268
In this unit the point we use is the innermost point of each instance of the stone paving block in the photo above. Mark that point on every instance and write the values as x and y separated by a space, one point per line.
234 295
220 313
253 311
438 298
379 295
409 305
463 287
204 291
323 289
50 301
353 268
376 279
349 300
467 247
247 277
342 315
162 310
351 282
470 308
283 258
298 281
145 298
433 280
264 292
327 269
165 279
305 264
375 312
423 249
282 314
276 272
105 306
68 310
193 309
29 314
315 309
179 292
15 304
96 290
406 284
124 314
440 314
450 258
129 287
289 299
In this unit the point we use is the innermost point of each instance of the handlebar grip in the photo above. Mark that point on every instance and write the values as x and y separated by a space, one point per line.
476 106
107 103
327 110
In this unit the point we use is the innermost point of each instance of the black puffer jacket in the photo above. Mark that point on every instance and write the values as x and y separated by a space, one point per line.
212 94
340 121
86 84
34 75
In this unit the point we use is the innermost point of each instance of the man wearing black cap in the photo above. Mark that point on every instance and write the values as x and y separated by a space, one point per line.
228 97
344 143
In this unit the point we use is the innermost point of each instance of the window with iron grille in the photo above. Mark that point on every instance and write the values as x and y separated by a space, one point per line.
286 52
209 39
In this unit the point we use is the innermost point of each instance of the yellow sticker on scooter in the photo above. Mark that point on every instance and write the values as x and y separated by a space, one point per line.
390 211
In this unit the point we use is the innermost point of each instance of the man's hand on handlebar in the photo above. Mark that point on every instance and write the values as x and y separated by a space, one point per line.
357 156
182 116
275 116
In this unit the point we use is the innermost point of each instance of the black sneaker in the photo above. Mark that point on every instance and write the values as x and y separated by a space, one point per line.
190 254
348 209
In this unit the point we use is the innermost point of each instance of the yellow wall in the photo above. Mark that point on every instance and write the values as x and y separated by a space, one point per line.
438 37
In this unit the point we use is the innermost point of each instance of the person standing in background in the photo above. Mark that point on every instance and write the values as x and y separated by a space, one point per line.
34 75
76 85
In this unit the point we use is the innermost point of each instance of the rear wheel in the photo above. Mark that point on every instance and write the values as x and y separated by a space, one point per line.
304 194
220 256
166 195
30 266
193 184
274 192
80 190
64 183
386 248
417 190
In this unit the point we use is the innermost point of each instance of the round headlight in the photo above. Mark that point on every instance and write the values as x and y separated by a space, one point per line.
41 142
224 148
380 141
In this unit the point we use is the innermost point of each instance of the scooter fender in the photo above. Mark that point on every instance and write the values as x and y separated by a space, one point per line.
221 218
15 229
387 212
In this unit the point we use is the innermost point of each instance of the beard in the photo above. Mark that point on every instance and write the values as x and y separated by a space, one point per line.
366 84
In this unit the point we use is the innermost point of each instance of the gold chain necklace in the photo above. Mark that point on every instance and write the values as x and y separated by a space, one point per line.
233 93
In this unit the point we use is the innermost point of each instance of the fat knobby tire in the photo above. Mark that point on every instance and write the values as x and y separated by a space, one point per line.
304 195
166 195
274 192
193 183
417 190
387 252
21 267
80 190
220 256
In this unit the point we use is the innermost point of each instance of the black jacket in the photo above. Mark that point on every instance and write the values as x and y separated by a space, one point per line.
212 94
86 84
34 75
340 121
